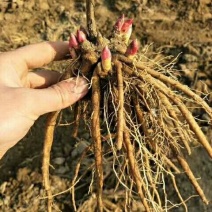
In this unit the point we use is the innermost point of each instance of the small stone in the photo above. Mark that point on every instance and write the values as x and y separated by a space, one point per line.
59 160
206 117
44 5
29 5
61 170
190 58
20 3
205 129
8 16
79 148
86 136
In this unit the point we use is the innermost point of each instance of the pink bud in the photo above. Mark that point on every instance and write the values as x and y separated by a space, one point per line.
132 48
106 58
119 23
81 37
126 26
106 54
126 30
73 42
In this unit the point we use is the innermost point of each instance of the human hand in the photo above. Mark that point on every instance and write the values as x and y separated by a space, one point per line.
25 95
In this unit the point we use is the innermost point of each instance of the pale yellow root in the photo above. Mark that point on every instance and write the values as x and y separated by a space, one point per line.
175 121
185 112
150 178
170 81
76 175
142 121
178 192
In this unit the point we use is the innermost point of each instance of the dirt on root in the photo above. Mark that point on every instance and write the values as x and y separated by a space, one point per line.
170 28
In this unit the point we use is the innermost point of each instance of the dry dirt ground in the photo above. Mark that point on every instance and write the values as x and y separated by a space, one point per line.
175 28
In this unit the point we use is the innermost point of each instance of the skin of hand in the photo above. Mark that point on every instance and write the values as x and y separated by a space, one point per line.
25 94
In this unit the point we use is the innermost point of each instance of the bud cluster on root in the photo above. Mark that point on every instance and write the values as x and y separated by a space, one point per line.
134 113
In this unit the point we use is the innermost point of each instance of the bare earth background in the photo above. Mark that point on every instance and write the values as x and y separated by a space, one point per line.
180 28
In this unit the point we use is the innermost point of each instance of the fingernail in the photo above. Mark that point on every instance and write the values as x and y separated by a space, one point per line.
79 85
73 42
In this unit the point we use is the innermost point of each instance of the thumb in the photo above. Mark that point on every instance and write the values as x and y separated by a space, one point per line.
58 96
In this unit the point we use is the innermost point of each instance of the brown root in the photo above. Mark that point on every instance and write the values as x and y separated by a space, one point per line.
187 115
174 98
91 23
185 166
49 135
96 135
120 124
172 82
77 114
134 168
192 178
48 140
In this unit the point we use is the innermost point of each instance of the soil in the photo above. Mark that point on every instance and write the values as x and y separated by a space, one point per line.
170 28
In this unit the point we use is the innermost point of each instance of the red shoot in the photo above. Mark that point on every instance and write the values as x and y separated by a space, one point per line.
126 26
132 48
81 37
119 23
106 58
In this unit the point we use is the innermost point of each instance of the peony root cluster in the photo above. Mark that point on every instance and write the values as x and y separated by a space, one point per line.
137 116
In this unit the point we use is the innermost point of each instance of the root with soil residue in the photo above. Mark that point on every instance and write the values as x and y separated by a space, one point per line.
137 118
